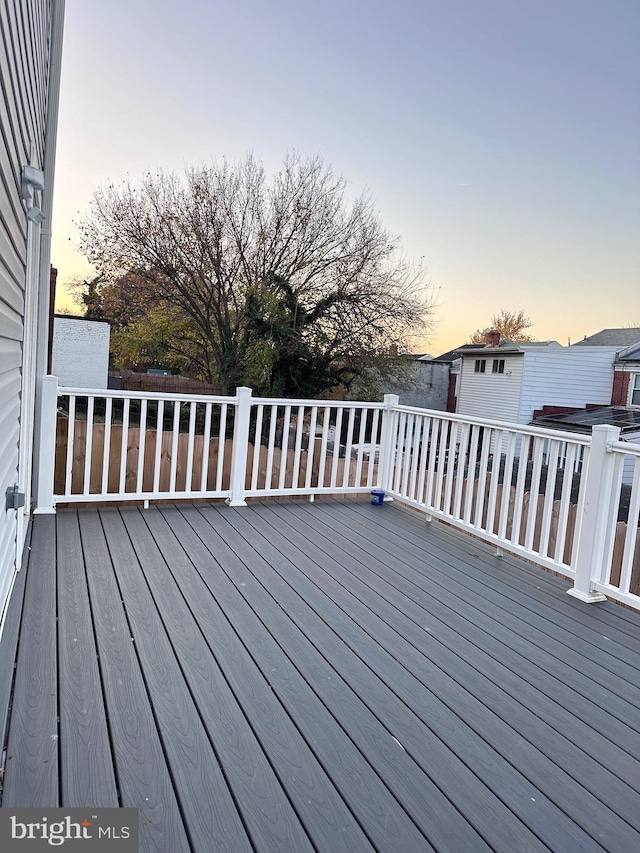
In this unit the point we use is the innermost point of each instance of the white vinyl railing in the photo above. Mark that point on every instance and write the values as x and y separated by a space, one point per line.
513 485
565 501
620 565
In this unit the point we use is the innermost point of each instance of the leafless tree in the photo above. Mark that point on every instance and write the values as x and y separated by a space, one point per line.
263 266
510 324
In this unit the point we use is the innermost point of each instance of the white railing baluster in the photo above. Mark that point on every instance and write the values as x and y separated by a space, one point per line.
336 449
532 514
124 444
494 479
507 475
284 447
460 470
374 455
190 446
311 447
326 422
471 473
222 445
142 443
88 447
425 426
107 446
175 434
549 496
158 448
295 477
487 436
450 468
206 447
271 446
257 443
565 502
518 505
71 423
347 451
631 535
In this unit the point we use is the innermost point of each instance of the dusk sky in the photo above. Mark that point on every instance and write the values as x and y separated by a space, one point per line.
499 138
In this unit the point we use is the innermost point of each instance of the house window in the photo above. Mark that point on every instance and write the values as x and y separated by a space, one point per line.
498 365
481 365
635 389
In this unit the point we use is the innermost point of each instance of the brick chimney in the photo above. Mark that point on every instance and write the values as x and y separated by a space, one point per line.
492 338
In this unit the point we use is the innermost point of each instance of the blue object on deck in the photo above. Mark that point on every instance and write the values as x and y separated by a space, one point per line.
377 497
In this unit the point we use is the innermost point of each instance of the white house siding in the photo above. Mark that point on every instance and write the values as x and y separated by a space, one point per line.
495 396
25 29
80 352
571 376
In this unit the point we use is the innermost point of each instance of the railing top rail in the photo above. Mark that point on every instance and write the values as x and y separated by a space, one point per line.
558 435
624 447
144 395
336 404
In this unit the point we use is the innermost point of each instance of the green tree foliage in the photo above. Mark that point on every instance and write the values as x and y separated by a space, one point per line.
510 324
278 284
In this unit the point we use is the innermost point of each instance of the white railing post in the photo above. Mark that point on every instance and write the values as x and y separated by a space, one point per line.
387 441
47 446
594 515
240 448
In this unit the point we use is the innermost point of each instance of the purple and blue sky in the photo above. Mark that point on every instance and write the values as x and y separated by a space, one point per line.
499 138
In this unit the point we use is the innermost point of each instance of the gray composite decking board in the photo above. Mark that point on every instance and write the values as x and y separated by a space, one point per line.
144 781
31 773
548 822
87 776
548 611
476 677
504 741
609 616
461 584
383 821
559 706
327 820
438 819
208 810
615 676
596 624
271 820
9 643
446 828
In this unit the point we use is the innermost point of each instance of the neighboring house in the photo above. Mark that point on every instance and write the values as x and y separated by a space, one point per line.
81 352
509 382
452 360
619 338
626 377
31 45
419 380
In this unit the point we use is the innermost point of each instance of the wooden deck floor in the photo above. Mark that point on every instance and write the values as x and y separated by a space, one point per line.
330 677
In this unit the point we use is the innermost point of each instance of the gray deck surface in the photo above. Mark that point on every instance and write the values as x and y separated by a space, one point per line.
333 676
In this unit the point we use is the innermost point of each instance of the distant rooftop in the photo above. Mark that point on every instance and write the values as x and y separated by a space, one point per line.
610 338
581 421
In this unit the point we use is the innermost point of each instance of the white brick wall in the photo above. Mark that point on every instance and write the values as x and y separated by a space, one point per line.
80 352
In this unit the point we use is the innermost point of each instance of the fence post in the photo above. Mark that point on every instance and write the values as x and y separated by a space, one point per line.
240 448
46 446
387 441
594 515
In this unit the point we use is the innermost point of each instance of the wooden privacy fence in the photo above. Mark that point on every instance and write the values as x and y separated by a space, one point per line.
217 468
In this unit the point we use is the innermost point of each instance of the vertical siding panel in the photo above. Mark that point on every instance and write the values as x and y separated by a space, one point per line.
24 62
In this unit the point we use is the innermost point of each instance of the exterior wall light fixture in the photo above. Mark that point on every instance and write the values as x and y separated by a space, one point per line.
32 181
